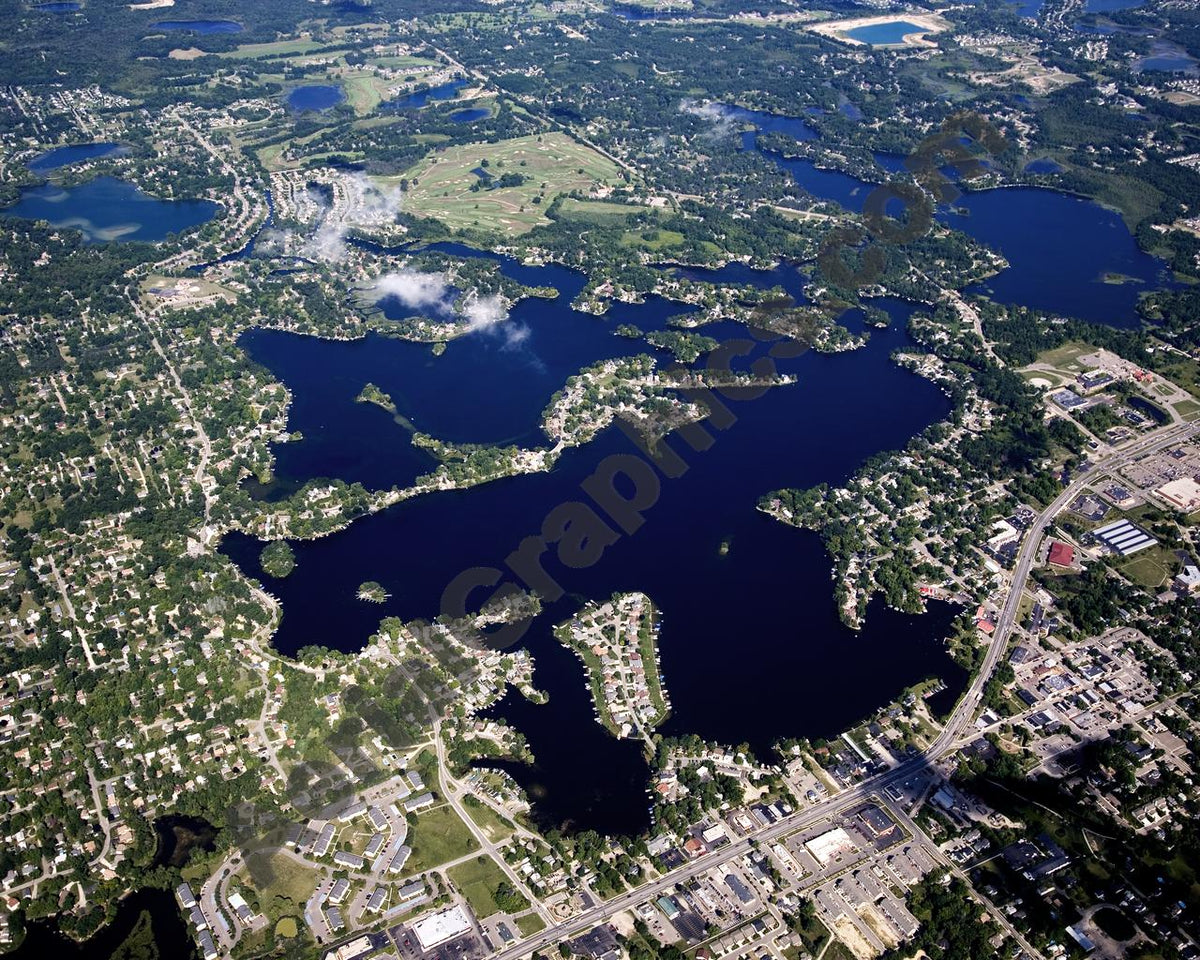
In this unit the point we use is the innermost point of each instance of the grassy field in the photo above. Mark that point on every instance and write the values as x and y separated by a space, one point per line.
1184 371
439 836
1150 568
552 164
477 881
530 924
279 48
1188 409
289 885
1066 357
488 821
597 211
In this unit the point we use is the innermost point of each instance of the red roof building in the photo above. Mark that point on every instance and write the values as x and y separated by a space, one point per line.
1061 554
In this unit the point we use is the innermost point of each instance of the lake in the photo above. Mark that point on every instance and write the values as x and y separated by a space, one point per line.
169 932
199 26
477 391
752 648
1167 57
109 209
74 153
470 116
884 34
414 101
315 97
1059 246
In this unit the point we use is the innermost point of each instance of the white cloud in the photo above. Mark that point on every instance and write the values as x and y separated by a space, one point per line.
364 204
717 114
416 289
431 293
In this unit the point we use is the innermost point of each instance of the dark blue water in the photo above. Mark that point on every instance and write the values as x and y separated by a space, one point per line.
1169 58
58 7
1029 8
1107 6
469 116
734 632
1059 247
490 386
315 97
74 153
414 101
200 26
110 209
883 34
171 935
764 122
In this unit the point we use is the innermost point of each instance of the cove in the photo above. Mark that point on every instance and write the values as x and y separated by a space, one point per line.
168 931
73 153
752 630
109 209
414 101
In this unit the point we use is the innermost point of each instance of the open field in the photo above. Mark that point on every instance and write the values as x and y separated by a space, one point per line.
289 880
477 880
597 211
551 164
1150 568
1066 357
278 48
1188 409
530 924
364 91
439 836
488 821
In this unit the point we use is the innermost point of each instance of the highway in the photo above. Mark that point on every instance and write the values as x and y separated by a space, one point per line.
946 741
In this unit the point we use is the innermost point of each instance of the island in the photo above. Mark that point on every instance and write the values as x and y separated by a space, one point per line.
372 592
617 641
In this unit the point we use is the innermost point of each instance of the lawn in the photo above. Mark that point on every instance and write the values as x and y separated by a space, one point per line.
597 211
478 881
283 884
530 924
364 91
280 48
551 163
1150 568
487 819
1066 357
439 836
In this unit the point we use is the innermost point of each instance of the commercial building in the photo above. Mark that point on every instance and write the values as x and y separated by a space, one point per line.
437 928
830 845
1182 494
1061 554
